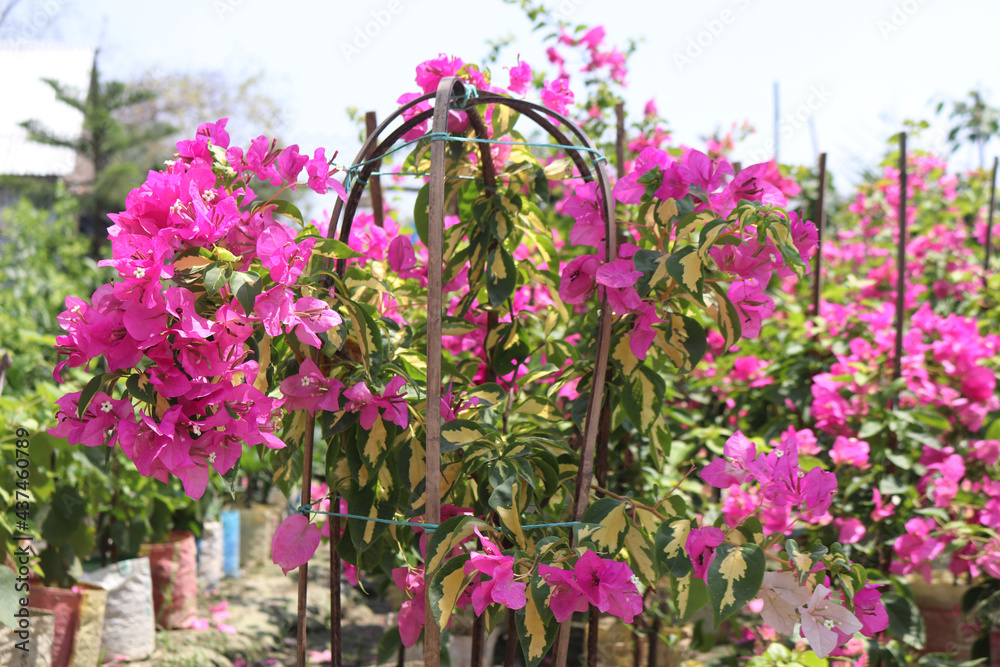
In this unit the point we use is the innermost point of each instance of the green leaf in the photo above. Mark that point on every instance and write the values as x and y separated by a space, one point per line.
246 286
9 598
216 276
487 395
333 248
725 315
449 535
421 212
670 540
686 268
804 562
458 433
87 395
501 276
388 646
446 586
536 626
287 209
504 501
684 341
906 623
690 595
139 386
709 234
606 524
734 578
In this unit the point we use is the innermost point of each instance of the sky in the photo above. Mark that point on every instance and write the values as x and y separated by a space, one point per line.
848 73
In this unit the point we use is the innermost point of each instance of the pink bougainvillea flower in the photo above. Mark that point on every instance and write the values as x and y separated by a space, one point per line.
825 621
556 95
700 546
643 334
752 304
578 279
851 530
870 611
392 403
849 451
99 423
279 252
400 254
520 78
704 172
566 598
609 585
501 588
310 390
294 542
619 276
782 596
732 470
290 164
412 614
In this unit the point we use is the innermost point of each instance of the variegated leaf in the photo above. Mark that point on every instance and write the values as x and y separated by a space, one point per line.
670 540
446 586
734 578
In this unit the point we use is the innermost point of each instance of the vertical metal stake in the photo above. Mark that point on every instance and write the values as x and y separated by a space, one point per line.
897 364
307 462
374 183
821 232
989 223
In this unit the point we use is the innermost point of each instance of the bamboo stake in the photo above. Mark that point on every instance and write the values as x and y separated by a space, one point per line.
620 138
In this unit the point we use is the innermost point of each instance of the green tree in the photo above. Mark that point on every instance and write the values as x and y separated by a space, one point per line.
977 122
104 141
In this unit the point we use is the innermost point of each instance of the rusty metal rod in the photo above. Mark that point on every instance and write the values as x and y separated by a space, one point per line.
821 232
897 363
378 210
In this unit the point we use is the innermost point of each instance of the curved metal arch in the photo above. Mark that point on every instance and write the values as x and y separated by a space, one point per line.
370 151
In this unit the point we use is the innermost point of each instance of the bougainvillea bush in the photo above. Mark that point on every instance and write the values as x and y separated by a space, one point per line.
228 327
916 456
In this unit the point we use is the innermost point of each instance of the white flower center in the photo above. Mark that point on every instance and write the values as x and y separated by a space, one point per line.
195 429
828 624
208 196
211 457
106 406
75 309
635 580
779 453
140 272
306 381
176 207
801 474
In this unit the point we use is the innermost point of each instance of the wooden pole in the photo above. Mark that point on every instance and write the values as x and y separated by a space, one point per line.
897 364
821 231
989 223
374 185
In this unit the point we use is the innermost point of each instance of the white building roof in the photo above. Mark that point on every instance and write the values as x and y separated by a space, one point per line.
25 96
